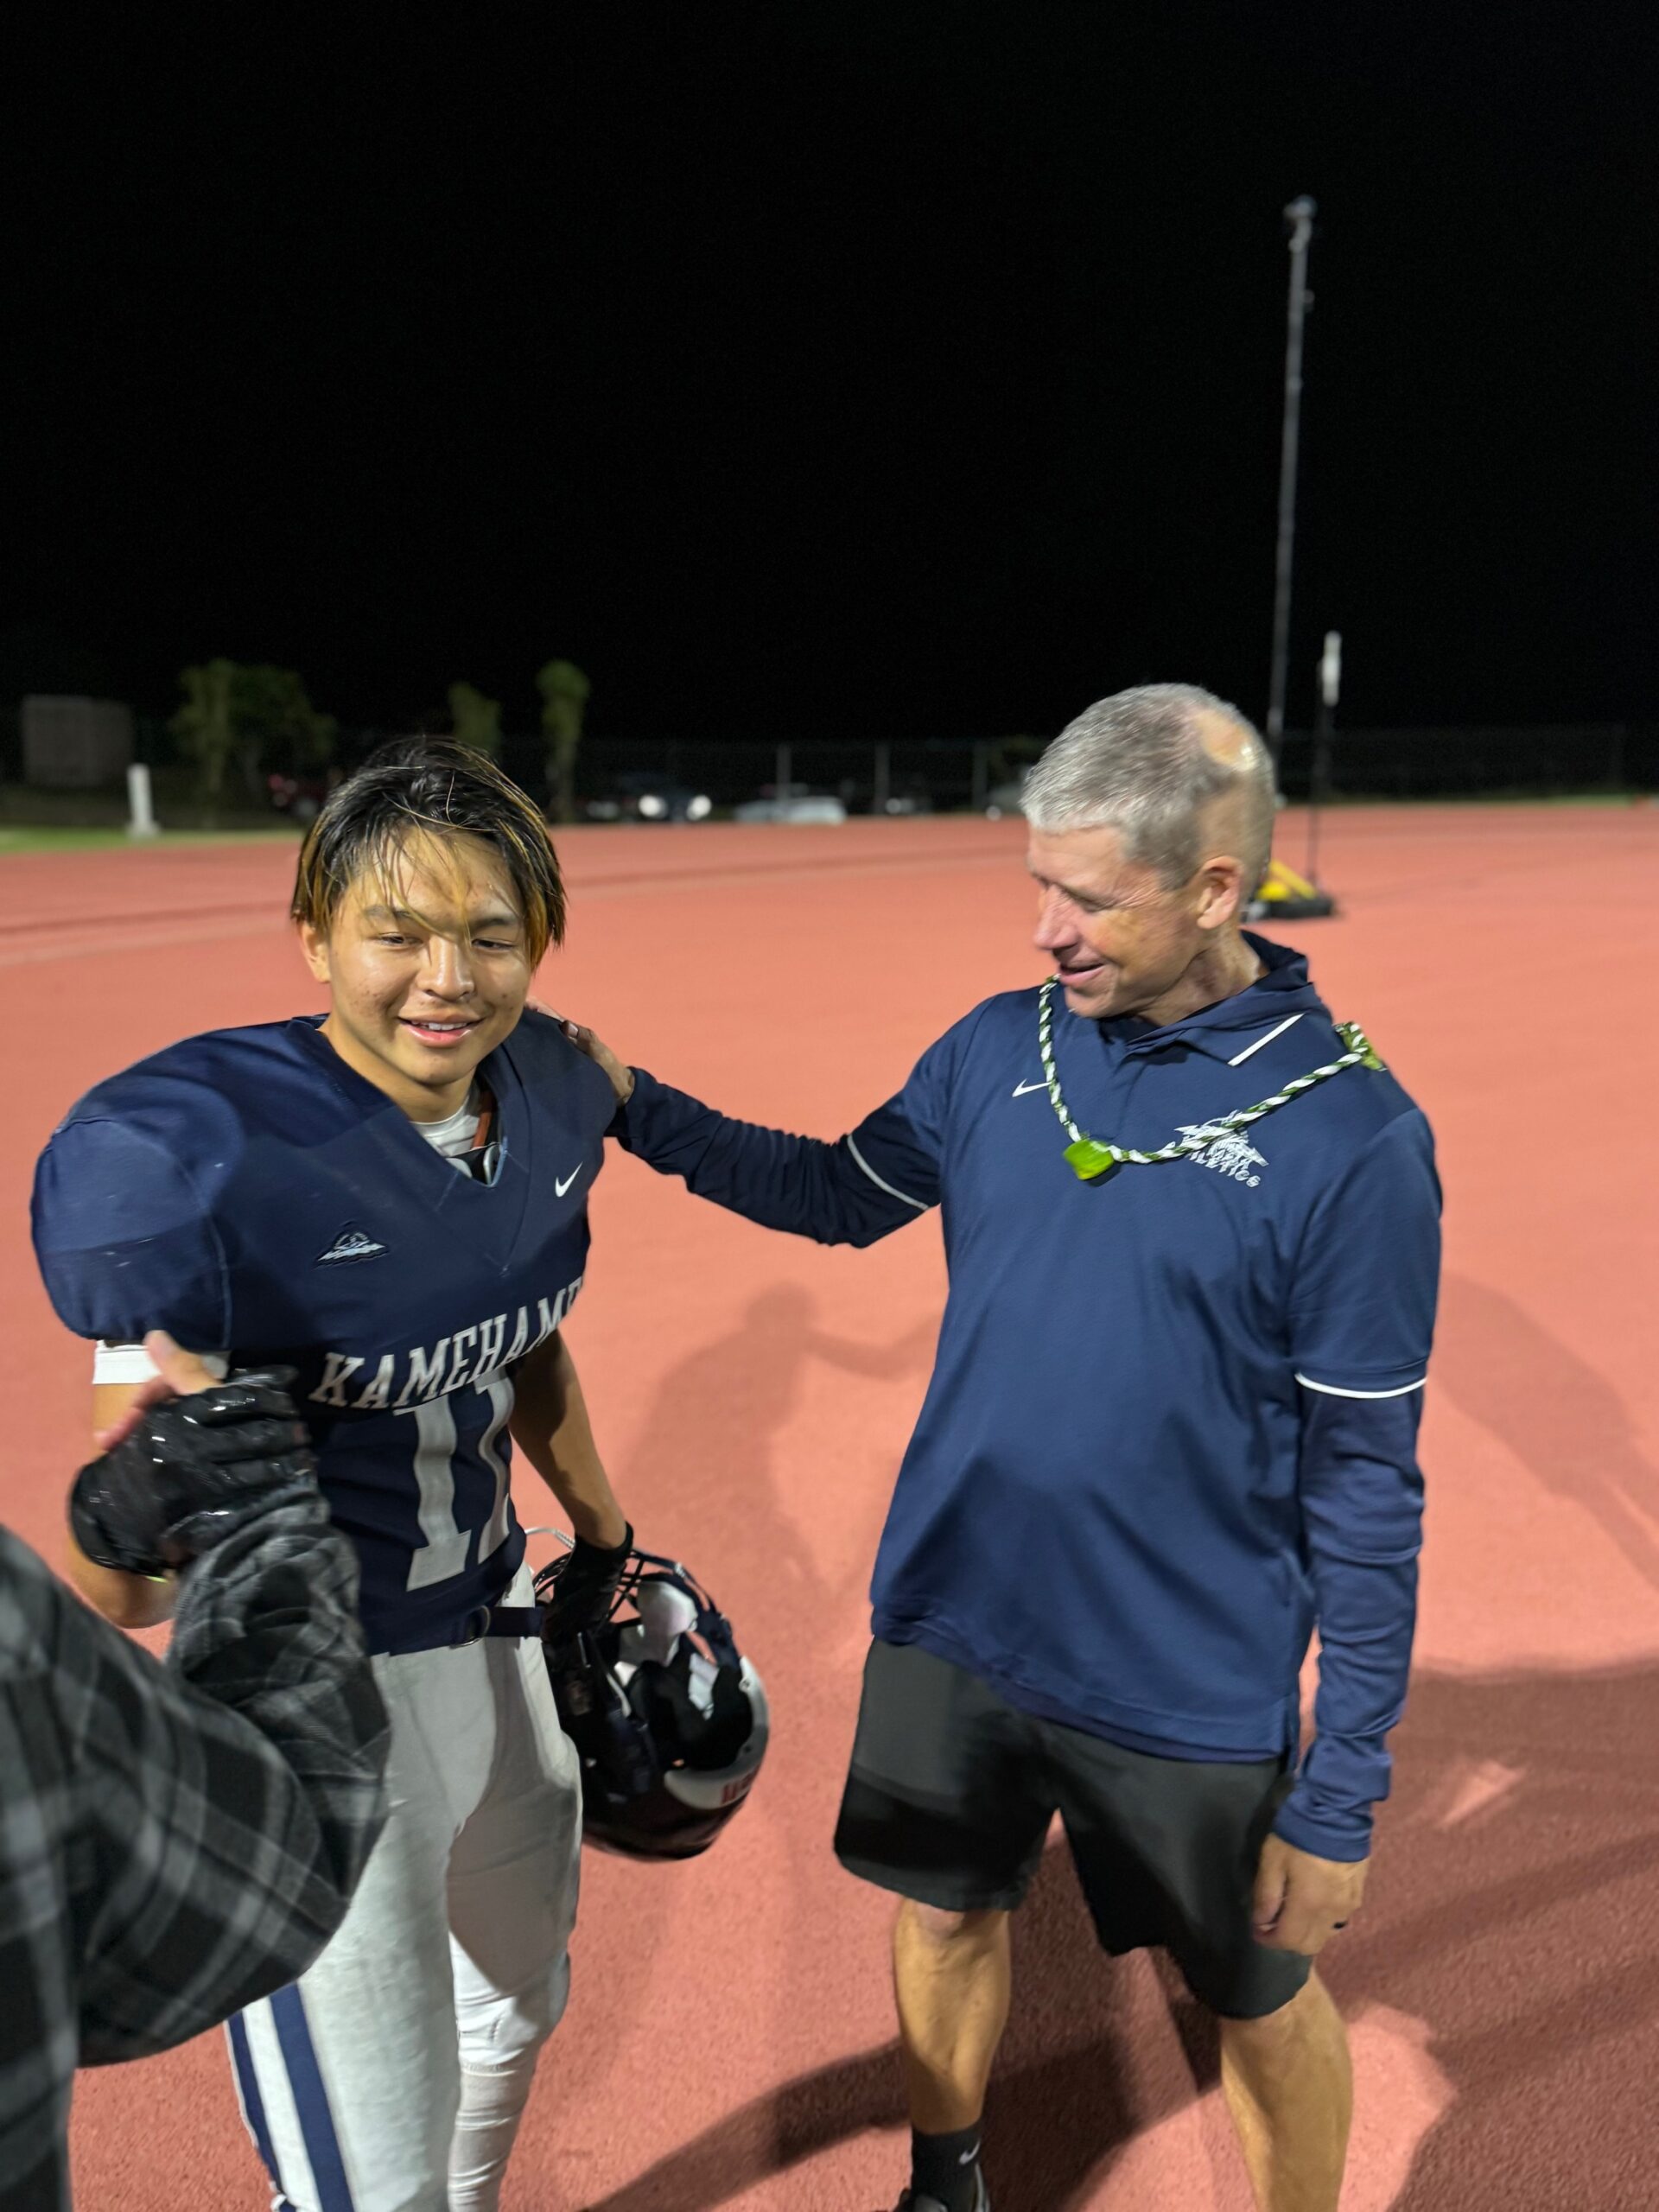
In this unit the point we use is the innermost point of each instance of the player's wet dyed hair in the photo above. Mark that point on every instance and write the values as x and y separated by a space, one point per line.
427 790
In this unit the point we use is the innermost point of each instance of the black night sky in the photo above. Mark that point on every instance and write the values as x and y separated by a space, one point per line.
885 367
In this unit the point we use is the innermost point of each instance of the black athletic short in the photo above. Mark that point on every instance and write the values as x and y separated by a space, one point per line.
951 1796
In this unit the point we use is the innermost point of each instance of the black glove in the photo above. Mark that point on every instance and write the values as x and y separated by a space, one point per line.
193 1469
578 1591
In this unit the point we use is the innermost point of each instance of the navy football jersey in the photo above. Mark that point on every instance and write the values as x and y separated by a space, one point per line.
251 1194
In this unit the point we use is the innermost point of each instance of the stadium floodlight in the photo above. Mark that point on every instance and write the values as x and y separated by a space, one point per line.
1299 215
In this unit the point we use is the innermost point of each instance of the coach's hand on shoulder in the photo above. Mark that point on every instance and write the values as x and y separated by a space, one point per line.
599 1054
188 1462
1301 1901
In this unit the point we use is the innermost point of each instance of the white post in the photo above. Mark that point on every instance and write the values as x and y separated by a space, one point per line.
141 811
1318 773
1331 668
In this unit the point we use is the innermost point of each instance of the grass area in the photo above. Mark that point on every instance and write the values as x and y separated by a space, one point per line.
26 837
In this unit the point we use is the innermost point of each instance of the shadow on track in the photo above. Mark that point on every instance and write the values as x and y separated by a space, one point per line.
1554 1412
1515 1911
713 1422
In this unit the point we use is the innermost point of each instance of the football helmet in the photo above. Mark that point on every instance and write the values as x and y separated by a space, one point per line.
669 1720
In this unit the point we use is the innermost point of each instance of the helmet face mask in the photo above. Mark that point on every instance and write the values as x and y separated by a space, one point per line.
669 1720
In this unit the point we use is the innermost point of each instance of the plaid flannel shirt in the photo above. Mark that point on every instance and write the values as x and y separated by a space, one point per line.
175 1841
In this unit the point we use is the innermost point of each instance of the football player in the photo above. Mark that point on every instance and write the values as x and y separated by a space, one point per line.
390 1198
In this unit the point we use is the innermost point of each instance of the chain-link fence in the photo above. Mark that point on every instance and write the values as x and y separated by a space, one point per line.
1538 762
948 774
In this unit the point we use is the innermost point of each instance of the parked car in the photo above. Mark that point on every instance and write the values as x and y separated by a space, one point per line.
299 797
909 798
915 799
790 803
639 796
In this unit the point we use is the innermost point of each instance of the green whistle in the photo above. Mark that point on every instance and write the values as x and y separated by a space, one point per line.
1090 1160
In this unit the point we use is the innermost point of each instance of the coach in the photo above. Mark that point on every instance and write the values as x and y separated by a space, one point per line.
174 1841
1192 1232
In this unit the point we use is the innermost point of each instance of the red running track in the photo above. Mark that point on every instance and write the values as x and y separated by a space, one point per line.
729 2041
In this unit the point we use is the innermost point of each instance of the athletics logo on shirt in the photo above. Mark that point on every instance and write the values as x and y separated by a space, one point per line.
1231 1155
351 1243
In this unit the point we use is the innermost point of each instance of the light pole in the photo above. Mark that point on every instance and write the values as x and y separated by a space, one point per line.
1299 215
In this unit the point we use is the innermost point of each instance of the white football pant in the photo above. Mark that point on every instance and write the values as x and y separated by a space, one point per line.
393 2077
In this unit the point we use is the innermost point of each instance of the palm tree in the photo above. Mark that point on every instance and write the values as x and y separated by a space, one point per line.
253 713
565 693
475 719
206 725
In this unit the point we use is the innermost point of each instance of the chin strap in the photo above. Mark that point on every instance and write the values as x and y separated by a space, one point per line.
1092 1160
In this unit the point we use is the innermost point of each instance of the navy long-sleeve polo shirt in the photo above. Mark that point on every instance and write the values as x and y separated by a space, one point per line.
1172 1424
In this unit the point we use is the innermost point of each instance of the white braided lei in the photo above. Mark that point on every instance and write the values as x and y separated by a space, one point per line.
1092 1159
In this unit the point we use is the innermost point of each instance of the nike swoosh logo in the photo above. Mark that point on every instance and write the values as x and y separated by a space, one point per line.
1021 1089
562 1187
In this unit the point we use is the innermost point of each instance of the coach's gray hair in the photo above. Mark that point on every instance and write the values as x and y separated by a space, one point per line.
1137 763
